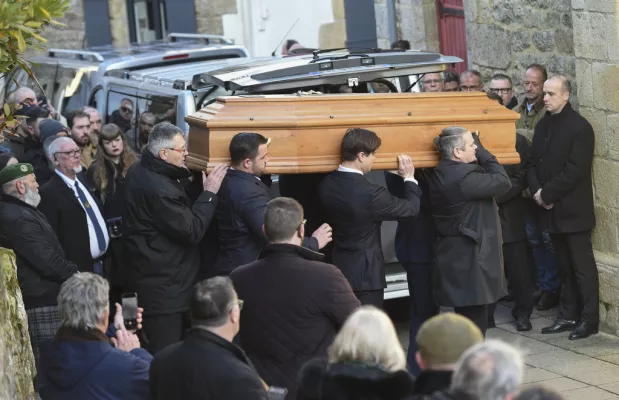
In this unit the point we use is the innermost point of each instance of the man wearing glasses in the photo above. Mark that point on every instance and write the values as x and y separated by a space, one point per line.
432 82
471 81
162 231
72 211
124 115
502 85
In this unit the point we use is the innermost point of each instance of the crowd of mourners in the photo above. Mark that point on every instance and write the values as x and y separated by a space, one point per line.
237 300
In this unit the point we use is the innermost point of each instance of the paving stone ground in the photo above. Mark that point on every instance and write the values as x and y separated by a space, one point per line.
580 369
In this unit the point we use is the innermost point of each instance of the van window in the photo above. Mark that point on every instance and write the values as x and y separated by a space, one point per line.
163 107
121 110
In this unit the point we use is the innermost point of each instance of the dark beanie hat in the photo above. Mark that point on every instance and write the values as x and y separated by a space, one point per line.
50 127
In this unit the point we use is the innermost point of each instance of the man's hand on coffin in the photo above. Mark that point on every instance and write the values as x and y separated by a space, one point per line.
324 235
406 169
212 182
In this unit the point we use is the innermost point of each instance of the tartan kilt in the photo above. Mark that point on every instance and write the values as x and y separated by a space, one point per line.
43 323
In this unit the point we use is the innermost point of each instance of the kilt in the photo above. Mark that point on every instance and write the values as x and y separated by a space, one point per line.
43 323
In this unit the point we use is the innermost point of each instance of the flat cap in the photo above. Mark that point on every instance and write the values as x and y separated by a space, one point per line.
15 171
443 338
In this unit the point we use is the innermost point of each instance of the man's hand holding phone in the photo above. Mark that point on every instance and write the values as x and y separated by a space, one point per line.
119 322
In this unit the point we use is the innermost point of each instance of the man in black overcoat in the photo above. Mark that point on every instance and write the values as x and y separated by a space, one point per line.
356 207
512 212
560 179
469 256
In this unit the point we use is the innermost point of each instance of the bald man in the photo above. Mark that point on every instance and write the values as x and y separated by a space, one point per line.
560 180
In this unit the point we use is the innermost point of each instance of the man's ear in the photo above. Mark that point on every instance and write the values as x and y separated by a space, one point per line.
301 231
420 362
20 186
264 230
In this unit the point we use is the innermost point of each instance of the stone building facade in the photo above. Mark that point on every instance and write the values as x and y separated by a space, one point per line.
415 21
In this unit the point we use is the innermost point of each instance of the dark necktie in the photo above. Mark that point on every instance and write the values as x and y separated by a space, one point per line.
92 216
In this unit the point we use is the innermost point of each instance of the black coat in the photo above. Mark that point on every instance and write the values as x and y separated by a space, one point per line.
240 216
430 381
512 206
355 210
560 165
351 381
414 236
161 233
294 306
469 254
69 220
41 262
29 150
204 366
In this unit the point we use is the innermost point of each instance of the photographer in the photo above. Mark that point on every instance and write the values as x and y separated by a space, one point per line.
81 362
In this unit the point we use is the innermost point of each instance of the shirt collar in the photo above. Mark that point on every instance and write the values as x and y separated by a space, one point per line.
342 168
70 182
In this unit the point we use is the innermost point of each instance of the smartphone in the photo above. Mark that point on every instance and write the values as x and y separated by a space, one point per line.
277 393
130 310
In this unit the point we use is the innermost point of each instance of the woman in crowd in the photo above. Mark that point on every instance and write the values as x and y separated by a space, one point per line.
365 361
105 178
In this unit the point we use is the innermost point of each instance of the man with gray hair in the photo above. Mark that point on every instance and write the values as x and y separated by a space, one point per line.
206 365
469 259
81 362
491 370
41 262
72 211
162 231
471 81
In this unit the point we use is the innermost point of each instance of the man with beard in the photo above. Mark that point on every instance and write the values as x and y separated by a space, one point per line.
72 211
95 126
162 232
243 200
79 123
41 262
138 139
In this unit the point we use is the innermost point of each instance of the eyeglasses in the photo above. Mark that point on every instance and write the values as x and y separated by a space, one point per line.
432 81
501 90
71 153
181 150
469 88
126 109
240 303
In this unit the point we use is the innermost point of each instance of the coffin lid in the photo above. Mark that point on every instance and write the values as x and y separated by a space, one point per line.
332 68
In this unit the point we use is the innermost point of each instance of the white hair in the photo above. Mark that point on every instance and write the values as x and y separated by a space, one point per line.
21 94
490 370
82 301
369 337
56 145
162 137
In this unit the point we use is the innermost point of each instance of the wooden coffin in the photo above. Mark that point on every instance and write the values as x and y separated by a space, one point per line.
306 131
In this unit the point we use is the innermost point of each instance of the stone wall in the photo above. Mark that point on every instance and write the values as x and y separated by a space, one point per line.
333 35
416 21
209 13
73 36
119 22
16 360
508 35
596 46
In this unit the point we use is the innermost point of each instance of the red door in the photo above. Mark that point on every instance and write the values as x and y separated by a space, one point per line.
452 30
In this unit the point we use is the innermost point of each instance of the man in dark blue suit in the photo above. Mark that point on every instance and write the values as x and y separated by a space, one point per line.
413 247
243 199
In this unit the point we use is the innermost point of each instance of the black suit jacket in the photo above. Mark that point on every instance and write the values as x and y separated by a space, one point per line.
356 208
68 219
560 165
512 206
243 199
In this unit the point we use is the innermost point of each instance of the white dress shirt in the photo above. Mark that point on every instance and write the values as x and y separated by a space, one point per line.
342 168
94 244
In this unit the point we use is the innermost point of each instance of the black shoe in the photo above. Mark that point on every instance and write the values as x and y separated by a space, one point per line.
583 330
537 295
523 324
560 325
549 300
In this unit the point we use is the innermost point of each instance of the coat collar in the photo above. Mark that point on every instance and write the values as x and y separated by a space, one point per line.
566 110
14 200
430 381
280 249
201 334
161 167
396 384
537 107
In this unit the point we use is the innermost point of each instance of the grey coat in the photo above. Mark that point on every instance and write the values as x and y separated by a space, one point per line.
468 248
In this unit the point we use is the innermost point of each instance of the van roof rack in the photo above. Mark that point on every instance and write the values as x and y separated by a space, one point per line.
179 84
76 54
218 39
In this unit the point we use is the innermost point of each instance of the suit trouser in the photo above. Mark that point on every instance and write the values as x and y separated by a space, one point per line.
580 294
164 330
518 272
477 314
422 305
371 297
